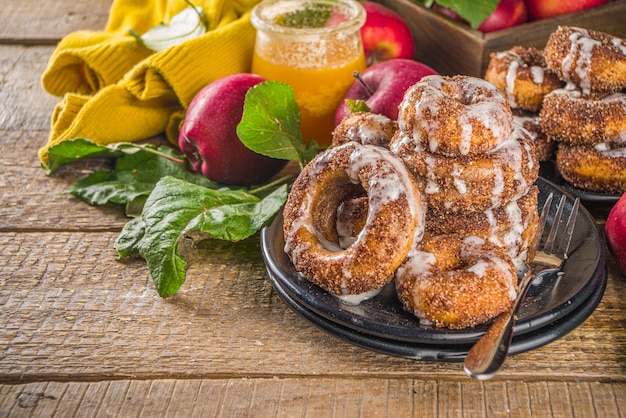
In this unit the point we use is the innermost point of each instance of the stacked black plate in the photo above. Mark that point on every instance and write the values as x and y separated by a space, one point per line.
552 308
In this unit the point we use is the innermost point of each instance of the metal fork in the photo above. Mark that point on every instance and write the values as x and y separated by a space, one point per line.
488 354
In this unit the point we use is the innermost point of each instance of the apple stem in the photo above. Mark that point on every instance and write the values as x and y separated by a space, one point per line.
367 88
271 185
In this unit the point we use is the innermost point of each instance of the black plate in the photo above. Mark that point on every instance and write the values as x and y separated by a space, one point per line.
549 172
384 316
448 353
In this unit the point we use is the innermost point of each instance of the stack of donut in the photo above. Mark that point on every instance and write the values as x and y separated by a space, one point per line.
588 117
523 75
578 105
476 171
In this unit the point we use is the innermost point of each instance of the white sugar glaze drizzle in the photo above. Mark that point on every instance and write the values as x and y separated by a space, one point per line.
472 245
578 58
482 103
355 300
418 264
370 131
391 181
515 61
619 42
607 151
511 75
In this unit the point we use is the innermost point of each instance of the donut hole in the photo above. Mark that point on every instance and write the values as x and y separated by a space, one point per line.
350 220
332 206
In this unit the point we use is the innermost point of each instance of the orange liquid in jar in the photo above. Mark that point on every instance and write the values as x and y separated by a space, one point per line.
318 91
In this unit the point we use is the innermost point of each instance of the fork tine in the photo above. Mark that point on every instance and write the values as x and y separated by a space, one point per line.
550 241
542 220
569 229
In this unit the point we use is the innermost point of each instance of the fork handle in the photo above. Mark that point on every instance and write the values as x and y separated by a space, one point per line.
488 354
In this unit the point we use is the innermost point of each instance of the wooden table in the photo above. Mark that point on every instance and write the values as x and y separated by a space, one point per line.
83 334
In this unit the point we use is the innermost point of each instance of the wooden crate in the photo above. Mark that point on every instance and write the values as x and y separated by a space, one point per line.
452 48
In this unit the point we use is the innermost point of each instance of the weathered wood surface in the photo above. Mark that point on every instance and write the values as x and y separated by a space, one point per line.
33 22
83 334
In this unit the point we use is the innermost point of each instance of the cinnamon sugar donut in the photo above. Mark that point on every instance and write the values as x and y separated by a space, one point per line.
472 183
523 76
455 116
600 168
544 146
395 218
584 119
456 282
511 226
590 59
365 128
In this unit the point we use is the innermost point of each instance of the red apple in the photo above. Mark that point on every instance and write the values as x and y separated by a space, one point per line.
382 86
543 9
209 138
615 229
508 13
385 34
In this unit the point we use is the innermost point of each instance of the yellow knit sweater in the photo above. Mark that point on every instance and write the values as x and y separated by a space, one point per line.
114 89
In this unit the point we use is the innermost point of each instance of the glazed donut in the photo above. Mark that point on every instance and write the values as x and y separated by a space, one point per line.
365 128
456 282
512 226
600 168
455 116
472 184
578 119
523 76
351 217
589 59
544 146
395 218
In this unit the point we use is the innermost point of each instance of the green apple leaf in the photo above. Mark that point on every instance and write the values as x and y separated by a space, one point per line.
270 124
355 106
178 213
72 150
474 11
188 24
134 177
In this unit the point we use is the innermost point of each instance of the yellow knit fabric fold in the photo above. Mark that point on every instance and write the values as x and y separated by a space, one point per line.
115 90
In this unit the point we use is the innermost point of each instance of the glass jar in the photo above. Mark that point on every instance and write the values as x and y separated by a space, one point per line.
314 46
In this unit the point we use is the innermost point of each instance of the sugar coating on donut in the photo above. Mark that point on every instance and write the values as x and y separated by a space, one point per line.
456 282
395 218
365 128
600 168
591 60
476 183
523 76
544 146
455 116
510 226
584 119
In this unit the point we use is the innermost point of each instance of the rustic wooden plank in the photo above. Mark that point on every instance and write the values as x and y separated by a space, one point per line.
266 397
26 21
70 310
517 396
23 102
183 398
348 400
560 401
231 397
606 400
210 396
425 399
31 200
